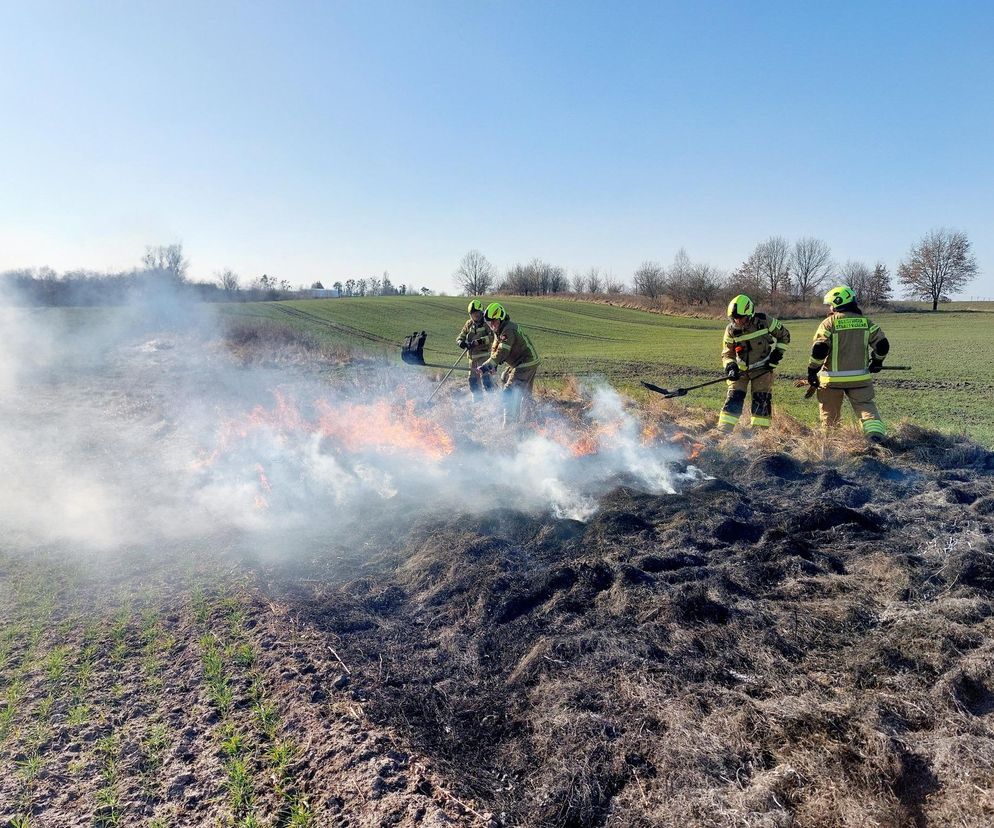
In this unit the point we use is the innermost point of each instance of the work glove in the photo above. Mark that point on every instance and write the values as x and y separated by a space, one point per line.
461 344
486 368
813 377
732 371
775 356
876 365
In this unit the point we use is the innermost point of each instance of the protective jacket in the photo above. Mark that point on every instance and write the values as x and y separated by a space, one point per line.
751 346
843 346
513 347
477 337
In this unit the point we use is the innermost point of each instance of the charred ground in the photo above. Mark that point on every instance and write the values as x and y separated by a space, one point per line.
794 642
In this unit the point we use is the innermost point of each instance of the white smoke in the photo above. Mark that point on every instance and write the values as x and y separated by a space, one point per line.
155 436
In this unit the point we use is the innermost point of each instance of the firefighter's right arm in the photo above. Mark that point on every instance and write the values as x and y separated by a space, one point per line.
461 341
821 347
727 348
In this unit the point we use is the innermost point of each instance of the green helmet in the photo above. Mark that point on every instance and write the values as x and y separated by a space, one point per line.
495 310
839 296
741 305
475 305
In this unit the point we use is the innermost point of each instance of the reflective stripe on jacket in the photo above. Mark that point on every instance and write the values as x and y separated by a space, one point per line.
851 338
753 344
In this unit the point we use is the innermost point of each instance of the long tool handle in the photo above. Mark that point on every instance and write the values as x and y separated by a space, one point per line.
447 375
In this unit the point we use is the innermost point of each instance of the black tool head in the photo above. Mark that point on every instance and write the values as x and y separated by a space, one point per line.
413 349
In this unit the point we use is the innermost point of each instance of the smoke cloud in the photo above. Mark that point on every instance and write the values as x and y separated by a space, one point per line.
127 428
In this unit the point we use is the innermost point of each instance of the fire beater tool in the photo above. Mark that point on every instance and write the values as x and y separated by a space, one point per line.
412 353
669 393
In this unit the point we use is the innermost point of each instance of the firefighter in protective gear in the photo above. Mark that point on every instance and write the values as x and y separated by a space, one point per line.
513 348
753 343
848 349
476 338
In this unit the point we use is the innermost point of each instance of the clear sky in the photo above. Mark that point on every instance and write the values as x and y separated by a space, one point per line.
333 139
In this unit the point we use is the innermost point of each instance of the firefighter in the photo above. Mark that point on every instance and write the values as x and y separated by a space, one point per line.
752 345
476 338
848 349
513 348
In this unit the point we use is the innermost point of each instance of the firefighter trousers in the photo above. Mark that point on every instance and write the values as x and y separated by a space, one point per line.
518 384
479 382
861 399
761 404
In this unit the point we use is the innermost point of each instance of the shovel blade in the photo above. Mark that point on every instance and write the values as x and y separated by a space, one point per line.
666 392
413 350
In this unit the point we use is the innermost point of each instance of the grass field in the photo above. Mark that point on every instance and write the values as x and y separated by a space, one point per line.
952 352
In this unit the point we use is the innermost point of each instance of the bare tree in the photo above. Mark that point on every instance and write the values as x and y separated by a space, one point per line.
879 290
475 275
613 286
773 260
810 265
338 286
858 276
594 280
350 286
536 277
578 282
703 284
678 277
167 258
939 265
228 280
649 279
748 278
374 286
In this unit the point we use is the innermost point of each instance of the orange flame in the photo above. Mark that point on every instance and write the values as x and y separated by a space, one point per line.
383 427
349 427
580 444
689 444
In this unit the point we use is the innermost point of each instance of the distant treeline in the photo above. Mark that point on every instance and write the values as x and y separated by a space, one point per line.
777 272
86 288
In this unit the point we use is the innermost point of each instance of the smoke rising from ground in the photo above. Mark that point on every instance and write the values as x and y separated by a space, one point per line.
128 429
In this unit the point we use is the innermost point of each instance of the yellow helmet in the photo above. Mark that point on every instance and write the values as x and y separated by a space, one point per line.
475 305
839 296
495 310
741 305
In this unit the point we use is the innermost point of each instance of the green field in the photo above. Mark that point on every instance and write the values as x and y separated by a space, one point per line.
950 388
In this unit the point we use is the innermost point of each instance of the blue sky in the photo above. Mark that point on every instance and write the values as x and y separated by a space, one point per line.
327 140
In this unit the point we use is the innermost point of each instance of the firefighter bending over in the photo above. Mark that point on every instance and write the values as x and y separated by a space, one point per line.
476 338
513 348
848 348
752 345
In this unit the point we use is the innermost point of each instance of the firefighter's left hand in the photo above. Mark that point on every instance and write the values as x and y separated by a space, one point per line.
813 377
876 365
775 356
486 368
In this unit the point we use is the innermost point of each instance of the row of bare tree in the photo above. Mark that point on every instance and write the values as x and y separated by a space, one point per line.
937 266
